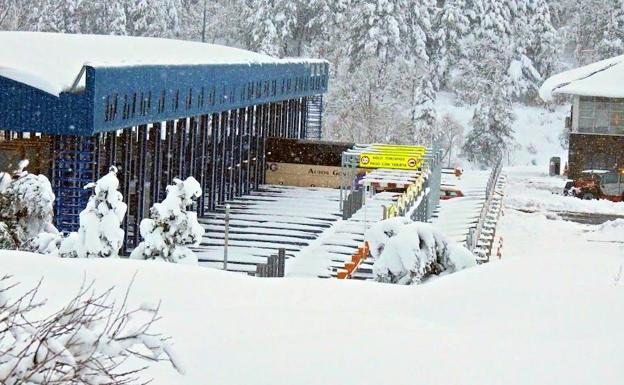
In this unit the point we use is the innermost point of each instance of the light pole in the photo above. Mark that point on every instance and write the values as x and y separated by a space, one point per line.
204 24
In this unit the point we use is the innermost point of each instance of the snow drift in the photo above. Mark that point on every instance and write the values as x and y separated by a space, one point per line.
526 317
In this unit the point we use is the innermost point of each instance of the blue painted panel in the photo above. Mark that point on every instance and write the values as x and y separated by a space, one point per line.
27 109
119 97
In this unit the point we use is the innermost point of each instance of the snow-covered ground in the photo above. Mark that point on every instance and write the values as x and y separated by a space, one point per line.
532 189
549 312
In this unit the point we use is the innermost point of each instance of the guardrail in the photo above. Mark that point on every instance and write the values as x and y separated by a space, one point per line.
480 238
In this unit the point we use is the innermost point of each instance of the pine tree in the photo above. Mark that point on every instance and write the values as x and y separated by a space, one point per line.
171 227
612 42
451 26
545 46
100 234
378 28
266 27
103 17
57 16
491 130
154 18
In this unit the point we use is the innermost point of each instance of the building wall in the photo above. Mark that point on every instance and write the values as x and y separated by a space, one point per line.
594 151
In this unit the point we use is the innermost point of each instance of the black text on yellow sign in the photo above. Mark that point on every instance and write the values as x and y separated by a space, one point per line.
399 162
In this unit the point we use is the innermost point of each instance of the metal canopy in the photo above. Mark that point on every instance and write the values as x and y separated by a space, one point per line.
121 97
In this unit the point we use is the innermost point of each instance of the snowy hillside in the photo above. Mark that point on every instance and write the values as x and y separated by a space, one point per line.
536 130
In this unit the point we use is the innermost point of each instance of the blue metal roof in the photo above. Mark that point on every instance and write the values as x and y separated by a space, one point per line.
120 97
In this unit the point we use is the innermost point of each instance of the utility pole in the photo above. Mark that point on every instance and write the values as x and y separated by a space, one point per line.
204 24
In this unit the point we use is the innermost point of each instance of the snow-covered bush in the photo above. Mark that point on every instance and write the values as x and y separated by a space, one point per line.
26 207
380 233
407 252
100 234
84 343
170 227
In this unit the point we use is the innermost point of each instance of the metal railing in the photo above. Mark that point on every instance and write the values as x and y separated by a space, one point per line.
475 234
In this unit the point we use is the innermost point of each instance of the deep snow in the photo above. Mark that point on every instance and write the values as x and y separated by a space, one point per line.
549 312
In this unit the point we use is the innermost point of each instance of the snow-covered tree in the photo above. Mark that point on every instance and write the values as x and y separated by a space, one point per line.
451 135
612 42
87 342
26 208
172 227
491 132
451 26
103 17
407 252
267 26
154 18
100 234
57 16
378 28
546 44
369 104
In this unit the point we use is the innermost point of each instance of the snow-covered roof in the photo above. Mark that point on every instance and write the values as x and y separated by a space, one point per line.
604 78
51 62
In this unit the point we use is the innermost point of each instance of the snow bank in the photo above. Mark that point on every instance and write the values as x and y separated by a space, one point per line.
610 231
526 317
603 78
52 61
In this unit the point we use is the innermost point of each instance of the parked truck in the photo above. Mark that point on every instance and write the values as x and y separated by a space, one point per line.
597 184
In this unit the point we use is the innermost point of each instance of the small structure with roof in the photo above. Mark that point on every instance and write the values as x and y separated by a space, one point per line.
156 108
596 120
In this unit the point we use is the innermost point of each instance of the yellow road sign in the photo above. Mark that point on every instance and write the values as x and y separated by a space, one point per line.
394 161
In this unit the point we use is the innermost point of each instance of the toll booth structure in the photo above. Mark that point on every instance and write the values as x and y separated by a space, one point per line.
157 121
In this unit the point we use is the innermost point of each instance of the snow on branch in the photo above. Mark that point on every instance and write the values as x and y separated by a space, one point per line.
26 208
87 342
100 234
171 227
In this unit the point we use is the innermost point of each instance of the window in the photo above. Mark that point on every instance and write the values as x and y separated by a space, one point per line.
601 115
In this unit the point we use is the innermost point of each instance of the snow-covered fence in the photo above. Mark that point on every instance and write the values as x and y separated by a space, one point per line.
275 266
480 238
353 202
